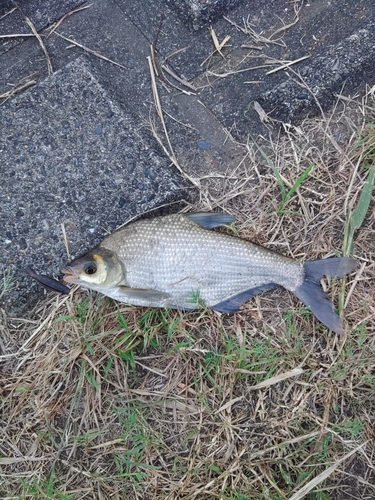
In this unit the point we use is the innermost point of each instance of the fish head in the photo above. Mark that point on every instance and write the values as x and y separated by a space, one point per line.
99 268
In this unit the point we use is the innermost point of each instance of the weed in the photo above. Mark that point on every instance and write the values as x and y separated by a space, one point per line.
7 284
138 439
44 489
286 193
357 216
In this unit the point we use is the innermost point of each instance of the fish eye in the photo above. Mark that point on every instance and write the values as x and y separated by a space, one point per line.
90 268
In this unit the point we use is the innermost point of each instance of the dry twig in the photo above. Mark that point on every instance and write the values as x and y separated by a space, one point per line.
39 38
90 51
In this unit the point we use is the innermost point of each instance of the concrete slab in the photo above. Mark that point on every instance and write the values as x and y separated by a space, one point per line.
127 28
325 31
71 156
341 68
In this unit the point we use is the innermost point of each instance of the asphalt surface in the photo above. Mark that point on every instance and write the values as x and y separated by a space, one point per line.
75 145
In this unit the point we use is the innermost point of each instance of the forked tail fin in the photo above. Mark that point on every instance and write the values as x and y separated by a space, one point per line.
312 294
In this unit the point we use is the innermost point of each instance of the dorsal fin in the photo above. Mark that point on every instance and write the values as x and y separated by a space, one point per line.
209 220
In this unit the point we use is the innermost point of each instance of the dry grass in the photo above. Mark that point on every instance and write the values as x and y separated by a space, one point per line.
105 401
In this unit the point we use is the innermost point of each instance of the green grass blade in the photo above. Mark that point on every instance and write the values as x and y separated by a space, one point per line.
276 173
296 185
274 170
355 222
360 211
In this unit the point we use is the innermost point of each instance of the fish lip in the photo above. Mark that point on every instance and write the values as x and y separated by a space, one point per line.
70 276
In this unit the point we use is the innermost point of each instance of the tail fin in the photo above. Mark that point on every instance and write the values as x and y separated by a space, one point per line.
312 294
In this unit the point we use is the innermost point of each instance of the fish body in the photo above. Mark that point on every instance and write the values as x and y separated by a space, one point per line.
176 261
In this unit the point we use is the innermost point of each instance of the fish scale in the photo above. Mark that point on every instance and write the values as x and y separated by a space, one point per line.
175 255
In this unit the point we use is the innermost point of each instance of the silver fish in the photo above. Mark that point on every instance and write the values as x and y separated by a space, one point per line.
176 262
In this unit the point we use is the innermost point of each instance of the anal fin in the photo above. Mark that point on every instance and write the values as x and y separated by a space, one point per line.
232 304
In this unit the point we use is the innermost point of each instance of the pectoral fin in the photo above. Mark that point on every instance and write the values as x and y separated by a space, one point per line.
139 297
232 304
139 293
209 220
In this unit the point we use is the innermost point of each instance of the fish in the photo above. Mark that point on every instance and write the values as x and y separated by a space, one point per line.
48 282
179 261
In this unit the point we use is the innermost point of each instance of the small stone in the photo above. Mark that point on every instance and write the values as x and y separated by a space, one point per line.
205 145
23 244
151 174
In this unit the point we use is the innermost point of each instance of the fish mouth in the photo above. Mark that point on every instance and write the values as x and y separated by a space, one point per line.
70 276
